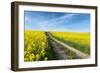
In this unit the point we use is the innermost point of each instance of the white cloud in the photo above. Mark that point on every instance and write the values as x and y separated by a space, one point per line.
48 25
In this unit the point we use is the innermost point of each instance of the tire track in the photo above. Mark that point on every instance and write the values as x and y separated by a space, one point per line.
60 51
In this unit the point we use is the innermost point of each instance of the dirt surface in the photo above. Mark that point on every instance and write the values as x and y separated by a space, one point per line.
60 52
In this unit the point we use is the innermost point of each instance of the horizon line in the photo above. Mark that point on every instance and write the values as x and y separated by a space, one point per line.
55 31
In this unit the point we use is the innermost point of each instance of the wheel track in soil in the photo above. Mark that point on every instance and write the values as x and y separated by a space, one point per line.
60 52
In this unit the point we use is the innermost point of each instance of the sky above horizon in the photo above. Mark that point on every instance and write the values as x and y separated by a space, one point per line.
56 21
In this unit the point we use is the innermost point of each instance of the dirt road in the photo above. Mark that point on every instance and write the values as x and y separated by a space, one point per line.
61 54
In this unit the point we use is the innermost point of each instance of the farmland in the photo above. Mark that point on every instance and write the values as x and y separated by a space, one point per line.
39 46
36 46
79 40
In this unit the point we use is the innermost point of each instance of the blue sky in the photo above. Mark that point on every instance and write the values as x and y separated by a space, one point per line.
56 21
